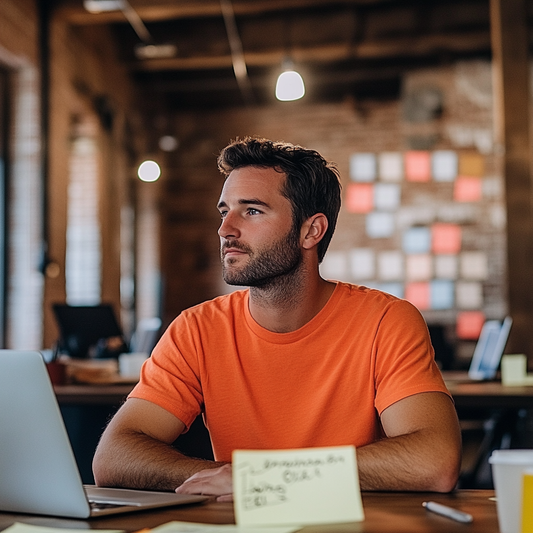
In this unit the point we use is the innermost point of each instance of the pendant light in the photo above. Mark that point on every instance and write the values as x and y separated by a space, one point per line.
290 85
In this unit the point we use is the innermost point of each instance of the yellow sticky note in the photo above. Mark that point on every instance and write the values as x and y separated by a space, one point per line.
471 164
303 486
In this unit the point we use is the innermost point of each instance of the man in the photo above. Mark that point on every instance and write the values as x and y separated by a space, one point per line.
293 361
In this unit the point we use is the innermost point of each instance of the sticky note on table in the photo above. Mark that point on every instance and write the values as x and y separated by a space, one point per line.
304 486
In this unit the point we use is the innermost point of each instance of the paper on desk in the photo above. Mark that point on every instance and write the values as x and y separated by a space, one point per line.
19 527
192 527
305 486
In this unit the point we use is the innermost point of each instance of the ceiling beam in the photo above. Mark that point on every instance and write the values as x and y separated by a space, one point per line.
150 11
473 42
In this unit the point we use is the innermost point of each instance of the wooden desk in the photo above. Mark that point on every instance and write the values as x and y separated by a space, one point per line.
384 513
486 394
92 394
465 393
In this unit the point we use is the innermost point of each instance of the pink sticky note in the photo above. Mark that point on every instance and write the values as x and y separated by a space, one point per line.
417 165
418 294
469 324
467 189
445 238
360 197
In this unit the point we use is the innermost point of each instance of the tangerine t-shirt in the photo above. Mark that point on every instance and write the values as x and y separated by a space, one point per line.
324 384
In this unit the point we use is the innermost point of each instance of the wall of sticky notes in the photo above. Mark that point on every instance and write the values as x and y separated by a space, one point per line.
423 229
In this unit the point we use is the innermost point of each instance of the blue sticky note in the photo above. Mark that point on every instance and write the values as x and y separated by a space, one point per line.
379 225
441 294
417 240
394 288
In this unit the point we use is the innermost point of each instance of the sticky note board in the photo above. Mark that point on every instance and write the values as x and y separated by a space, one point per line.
469 324
417 165
467 189
359 198
363 167
305 486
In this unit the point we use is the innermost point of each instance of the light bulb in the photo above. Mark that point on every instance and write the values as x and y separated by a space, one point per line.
290 86
149 171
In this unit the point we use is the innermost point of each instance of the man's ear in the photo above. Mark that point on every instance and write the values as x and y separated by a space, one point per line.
313 230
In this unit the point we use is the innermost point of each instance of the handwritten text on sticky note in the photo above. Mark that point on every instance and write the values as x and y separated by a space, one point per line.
306 486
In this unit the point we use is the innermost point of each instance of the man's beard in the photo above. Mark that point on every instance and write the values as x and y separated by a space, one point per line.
265 267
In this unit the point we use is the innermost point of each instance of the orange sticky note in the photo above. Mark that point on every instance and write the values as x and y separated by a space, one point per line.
471 164
446 238
360 197
417 165
469 324
467 189
418 294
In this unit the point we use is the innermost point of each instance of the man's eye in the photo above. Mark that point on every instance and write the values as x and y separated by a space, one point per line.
253 211
223 214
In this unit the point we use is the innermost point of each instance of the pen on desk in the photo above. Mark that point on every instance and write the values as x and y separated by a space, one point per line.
448 512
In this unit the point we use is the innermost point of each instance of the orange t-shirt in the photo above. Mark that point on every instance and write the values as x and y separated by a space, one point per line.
324 384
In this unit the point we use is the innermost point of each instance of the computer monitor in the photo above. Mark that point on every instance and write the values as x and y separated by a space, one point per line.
86 326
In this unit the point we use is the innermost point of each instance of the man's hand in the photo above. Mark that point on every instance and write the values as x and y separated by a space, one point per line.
213 482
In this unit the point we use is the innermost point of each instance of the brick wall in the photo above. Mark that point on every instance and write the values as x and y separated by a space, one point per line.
458 117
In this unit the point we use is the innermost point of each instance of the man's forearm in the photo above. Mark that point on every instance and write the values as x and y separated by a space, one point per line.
401 463
138 461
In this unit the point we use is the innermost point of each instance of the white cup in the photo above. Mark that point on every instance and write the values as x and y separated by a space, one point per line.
129 364
508 467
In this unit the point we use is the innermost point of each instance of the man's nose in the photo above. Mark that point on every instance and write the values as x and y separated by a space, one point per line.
228 226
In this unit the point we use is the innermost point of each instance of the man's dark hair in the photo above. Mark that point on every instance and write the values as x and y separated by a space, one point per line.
312 184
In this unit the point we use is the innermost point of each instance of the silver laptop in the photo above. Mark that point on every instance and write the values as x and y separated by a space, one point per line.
38 472
489 349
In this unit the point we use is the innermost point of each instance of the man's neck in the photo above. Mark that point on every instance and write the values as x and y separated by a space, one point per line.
289 305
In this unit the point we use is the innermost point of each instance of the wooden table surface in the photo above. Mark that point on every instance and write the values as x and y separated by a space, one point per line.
385 512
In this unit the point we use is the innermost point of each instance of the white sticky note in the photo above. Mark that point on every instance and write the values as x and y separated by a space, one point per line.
469 295
474 265
444 165
387 196
391 166
390 265
418 267
194 527
334 265
379 225
446 266
362 263
363 167
305 486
